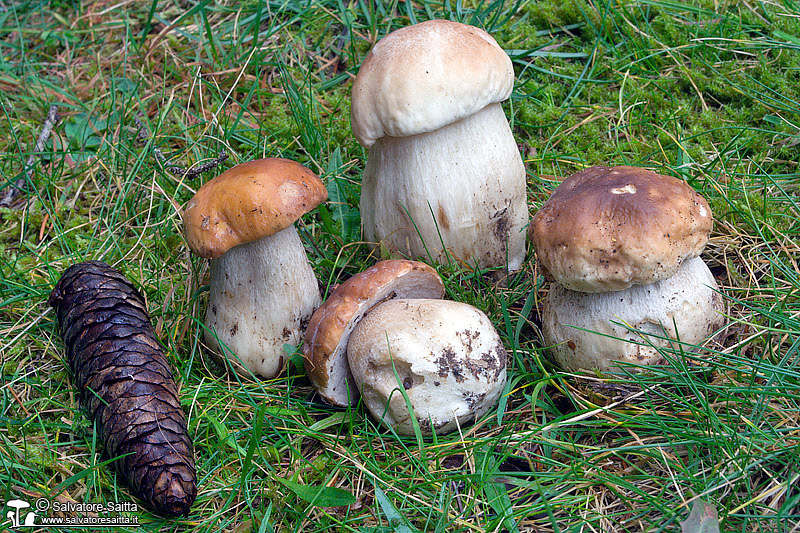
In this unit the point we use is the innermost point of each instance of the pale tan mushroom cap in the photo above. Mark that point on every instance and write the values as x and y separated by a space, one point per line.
422 77
249 201
608 228
330 327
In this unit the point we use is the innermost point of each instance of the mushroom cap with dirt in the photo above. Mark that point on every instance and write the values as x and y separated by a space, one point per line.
329 330
607 228
445 356
262 289
444 174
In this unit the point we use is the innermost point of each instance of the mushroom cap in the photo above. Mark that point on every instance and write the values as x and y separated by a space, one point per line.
608 228
422 77
587 331
249 201
331 324
446 355
18 504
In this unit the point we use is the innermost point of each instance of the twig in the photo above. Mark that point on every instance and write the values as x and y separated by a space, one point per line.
205 167
141 134
18 187
19 401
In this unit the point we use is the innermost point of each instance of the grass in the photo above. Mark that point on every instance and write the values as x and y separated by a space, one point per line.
703 90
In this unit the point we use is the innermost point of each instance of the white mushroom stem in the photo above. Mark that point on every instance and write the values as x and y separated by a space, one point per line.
465 182
445 355
262 295
588 330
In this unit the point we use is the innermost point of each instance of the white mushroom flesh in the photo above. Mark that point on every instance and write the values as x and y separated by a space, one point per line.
446 356
459 188
586 331
341 389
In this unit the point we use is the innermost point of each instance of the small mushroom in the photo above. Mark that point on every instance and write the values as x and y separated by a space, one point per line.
621 245
443 171
328 332
446 356
262 288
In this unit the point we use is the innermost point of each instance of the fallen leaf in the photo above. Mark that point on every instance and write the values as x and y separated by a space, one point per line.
702 519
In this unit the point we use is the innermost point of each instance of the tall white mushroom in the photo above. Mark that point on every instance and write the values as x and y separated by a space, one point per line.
262 289
443 171
621 245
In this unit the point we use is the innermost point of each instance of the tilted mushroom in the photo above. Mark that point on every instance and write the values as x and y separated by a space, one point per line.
621 245
445 355
448 357
443 171
262 288
328 332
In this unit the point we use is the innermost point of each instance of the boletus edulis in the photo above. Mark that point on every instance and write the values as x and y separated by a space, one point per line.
329 330
446 356
622 246
262 290
443 171
385 333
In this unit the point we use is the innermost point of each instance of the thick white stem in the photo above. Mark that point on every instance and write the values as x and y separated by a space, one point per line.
262 295
594 330
464 182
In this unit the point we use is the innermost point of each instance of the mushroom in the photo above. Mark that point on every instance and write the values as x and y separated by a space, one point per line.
443 173
328 332
13 516
594 330
445 355
386 328
262 289
622 246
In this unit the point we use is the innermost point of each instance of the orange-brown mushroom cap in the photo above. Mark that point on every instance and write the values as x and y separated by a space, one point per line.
607 228
249 201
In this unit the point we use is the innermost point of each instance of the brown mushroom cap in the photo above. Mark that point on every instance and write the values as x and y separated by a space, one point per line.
422 77
607 228
330 327
249 201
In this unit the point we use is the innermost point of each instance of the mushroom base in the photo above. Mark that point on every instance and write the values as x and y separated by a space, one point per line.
586 330
445 355
459 188
262 295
